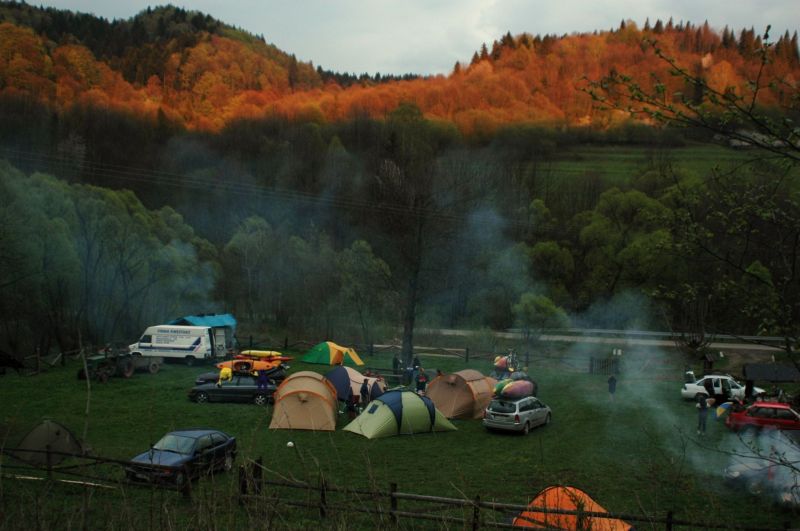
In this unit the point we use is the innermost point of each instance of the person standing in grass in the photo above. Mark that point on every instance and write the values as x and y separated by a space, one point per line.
703 404
612 386
364 392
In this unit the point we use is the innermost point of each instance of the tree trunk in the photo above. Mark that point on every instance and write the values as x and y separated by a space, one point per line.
409 318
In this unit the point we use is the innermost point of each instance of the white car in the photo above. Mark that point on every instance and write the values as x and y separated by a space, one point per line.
720 383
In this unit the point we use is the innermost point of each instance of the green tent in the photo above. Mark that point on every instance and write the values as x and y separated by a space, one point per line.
329 353
399 412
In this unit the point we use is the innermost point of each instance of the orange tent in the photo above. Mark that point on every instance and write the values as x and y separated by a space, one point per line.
567 499
461 395
304 401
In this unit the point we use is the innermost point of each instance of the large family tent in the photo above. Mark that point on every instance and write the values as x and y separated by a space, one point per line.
399 412
329 353
461 395
347 382
567 499
304 401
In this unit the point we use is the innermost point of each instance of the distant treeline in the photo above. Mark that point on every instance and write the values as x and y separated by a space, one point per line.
364 224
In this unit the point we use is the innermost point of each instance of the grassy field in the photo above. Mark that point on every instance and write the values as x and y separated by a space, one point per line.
637 454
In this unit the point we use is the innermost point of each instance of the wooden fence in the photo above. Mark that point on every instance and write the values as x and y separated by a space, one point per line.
325 501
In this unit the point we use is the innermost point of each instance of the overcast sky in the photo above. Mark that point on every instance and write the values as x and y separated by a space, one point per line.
429 36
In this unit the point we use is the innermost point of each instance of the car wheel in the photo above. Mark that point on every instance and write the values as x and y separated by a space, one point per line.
526 429
227 465
201 398
260 399
547 419
190 361
153 368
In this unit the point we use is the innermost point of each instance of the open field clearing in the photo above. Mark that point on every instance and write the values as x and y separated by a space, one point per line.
636 454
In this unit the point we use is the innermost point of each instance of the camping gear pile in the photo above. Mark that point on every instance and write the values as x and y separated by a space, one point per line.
255 361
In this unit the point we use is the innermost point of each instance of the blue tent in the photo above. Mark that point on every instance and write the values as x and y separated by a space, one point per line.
399 412
347 382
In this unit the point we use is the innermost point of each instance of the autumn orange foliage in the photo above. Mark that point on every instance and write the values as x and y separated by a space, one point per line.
220 79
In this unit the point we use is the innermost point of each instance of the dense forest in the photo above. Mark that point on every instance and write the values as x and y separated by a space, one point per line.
170 164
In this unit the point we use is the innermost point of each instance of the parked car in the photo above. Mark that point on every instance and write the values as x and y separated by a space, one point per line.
517 414
720 384
240 388
764 415
182 455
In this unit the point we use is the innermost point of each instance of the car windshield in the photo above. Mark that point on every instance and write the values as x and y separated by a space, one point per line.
175 443
501 406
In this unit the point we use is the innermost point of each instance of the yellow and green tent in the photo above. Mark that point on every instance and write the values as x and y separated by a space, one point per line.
329 353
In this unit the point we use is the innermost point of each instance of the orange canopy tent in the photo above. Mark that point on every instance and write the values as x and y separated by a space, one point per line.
567 499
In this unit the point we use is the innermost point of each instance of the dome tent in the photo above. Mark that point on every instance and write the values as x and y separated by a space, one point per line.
304 401
49 436
347 382
461 395
329 353
567 499
399 412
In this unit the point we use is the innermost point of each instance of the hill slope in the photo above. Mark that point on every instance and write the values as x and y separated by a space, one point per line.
205 74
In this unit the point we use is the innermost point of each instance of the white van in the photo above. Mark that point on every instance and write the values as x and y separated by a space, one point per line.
189 343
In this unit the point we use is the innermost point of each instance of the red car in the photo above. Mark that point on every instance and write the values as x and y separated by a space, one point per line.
765 415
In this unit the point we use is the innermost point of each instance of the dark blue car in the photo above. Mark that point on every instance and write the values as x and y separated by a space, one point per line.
183 455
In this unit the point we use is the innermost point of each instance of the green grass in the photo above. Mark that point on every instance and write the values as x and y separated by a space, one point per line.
635 455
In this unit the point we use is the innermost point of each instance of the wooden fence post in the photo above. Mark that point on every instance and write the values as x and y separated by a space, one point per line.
527 359
466 355
669 520
476 513
393 502
242 484
49 461
257 470
323 509
285 342
186 488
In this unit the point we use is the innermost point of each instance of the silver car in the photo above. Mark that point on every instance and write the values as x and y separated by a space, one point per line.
516 414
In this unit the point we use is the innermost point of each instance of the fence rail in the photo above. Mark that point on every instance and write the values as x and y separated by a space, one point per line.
325 499
386 504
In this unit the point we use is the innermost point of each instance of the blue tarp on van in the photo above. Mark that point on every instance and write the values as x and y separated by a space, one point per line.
214 320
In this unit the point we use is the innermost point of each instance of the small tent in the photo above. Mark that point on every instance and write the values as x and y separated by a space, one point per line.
347 382
461 395
304 401
49 436
329 353
399 412
567 499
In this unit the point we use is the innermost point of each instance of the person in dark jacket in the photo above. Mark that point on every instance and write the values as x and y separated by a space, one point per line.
422 381
612 386
364 393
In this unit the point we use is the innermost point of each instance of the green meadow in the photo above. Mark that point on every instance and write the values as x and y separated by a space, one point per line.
636 454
